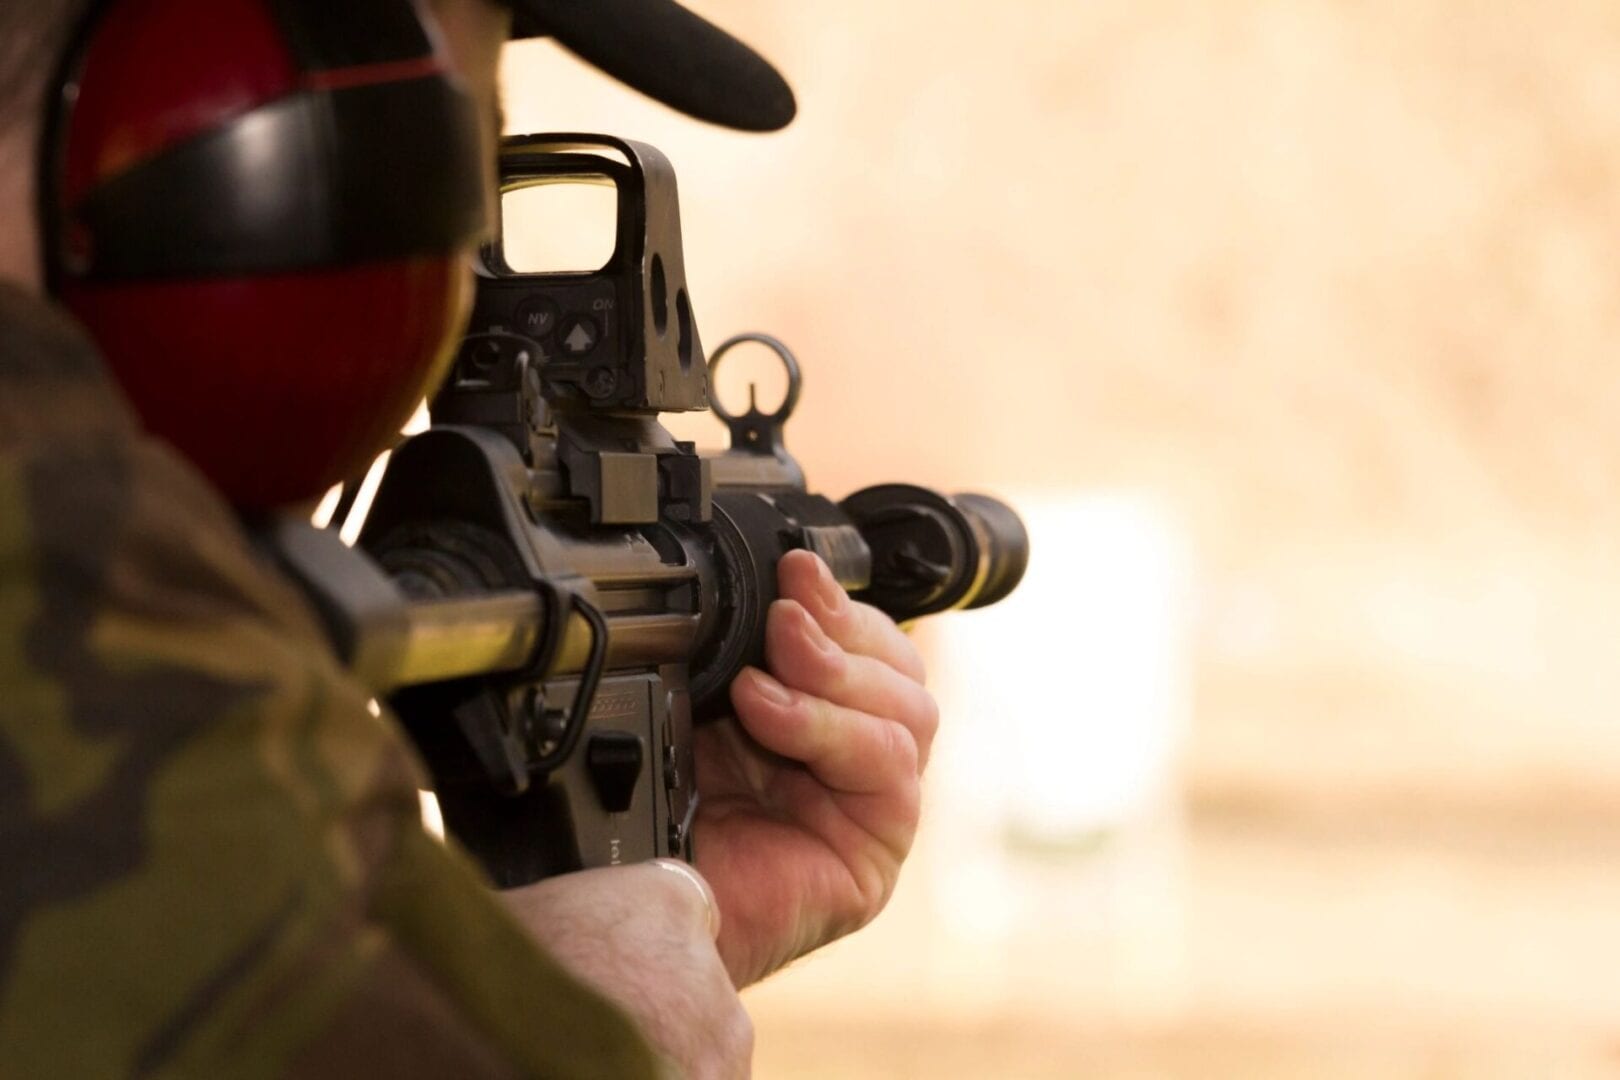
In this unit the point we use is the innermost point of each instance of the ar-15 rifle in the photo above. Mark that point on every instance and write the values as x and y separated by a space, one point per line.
564 587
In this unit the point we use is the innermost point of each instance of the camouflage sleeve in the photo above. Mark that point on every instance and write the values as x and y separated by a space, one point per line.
211 856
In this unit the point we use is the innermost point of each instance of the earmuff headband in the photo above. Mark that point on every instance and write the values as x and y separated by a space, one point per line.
317 179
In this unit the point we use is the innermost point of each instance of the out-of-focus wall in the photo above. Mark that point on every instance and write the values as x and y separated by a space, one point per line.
1335 286
1340 280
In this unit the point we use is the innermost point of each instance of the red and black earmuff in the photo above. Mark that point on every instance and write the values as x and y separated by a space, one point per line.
261 209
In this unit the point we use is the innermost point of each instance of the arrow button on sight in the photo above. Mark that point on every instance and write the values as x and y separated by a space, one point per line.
579 335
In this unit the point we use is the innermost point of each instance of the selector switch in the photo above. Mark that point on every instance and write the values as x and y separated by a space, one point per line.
615 759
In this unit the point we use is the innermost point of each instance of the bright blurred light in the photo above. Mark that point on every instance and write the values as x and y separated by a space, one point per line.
432 816
419 421
356 519
1076 689
362 503
322 517
560 228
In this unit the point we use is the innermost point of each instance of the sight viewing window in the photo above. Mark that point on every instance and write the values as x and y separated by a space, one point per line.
560 226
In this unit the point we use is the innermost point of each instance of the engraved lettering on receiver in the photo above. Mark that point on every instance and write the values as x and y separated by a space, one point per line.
614 706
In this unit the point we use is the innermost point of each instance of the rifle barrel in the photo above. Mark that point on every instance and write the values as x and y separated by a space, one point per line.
459 637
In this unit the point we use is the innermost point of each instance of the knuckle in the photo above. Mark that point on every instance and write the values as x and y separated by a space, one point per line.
818 658
911 807
915 666
818 720
901 749
869 617
927 714
834 665
885 638
779 618
874 885
912 706
677 897
930 713
876 621
900 826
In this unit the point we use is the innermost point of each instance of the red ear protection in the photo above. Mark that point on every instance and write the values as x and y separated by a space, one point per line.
261 209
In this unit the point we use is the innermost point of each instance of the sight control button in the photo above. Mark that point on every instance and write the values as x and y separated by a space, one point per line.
579 335
536 317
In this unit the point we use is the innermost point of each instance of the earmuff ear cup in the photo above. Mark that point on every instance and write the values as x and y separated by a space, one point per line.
263 215
278 387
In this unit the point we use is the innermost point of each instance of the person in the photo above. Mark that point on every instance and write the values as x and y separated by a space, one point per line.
211 857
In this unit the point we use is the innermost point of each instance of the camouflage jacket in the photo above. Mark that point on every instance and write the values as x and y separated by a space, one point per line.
211 856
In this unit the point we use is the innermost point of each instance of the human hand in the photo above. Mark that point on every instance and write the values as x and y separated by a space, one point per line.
644 938
810 797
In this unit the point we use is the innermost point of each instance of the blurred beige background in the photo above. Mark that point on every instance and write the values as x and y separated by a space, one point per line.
1293 325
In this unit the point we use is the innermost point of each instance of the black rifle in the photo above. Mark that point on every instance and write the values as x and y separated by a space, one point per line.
565 589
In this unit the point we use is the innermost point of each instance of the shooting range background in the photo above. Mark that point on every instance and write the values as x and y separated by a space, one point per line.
1294 327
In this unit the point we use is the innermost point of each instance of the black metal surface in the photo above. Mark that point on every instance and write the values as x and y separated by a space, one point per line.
934 553
667 558
648 357
323 36
759 457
